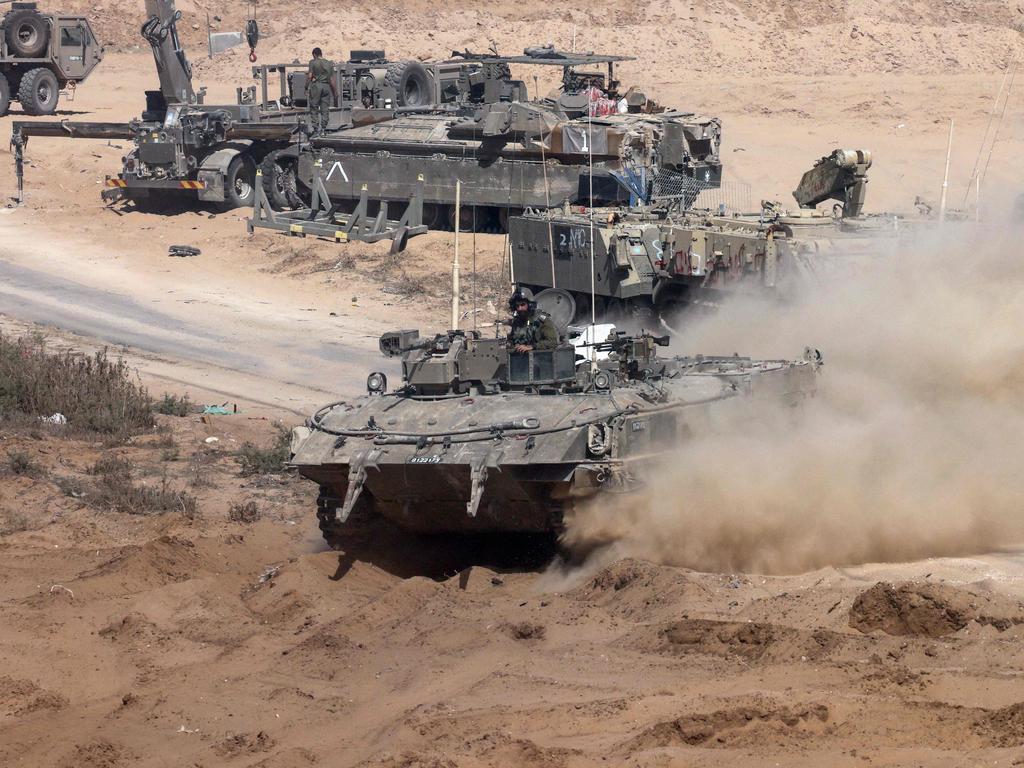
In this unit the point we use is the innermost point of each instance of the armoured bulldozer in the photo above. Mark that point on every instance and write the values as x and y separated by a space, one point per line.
657 258
42 55
478 438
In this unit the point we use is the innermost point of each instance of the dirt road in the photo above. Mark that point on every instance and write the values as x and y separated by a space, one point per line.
189 325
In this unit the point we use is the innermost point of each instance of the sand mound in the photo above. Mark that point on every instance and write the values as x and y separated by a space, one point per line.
744 723
1003 727
929 610
750 641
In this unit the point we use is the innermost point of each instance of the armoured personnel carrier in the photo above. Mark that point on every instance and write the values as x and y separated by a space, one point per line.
42 54
587 141
478 438
658 256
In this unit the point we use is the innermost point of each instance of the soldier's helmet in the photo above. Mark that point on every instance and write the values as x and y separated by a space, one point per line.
521 294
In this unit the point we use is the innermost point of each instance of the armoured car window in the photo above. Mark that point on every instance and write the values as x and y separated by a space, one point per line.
72 37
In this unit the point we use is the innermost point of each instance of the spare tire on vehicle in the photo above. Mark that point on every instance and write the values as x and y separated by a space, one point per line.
27 33
38 91
412 83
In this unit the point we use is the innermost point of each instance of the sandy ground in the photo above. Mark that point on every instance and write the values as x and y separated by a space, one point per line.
168 641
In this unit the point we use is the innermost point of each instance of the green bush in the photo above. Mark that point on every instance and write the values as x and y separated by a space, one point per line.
94 392
255 460
170 405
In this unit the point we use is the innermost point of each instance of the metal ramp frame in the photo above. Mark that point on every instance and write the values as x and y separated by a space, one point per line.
322 218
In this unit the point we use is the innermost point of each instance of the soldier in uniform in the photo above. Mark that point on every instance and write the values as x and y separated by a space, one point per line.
319 91
531 329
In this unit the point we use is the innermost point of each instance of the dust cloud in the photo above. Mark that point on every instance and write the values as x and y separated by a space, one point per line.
912 447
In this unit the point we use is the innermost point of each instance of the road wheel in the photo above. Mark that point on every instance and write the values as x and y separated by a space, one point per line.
466 218
238 183
5 96
27 33
411 83
38 92
280 182
433 216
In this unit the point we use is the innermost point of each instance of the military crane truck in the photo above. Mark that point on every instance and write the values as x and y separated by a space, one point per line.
41 55
184 146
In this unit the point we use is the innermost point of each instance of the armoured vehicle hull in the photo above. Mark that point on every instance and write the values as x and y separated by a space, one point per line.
480 439
645 260
658 258
536 159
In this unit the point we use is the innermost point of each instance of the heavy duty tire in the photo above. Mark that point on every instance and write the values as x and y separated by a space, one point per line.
27 33
280 182
411 83
5 96
38 92
238 183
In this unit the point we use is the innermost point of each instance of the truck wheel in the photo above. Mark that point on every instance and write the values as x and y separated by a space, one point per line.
280 182
238 183
411 83
5 96
38 92
27 33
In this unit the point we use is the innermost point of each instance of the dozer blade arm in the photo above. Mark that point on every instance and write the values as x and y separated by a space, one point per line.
70 130
841 176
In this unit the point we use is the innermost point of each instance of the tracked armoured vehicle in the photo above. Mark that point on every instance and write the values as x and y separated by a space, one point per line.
586 141
658 256
477 438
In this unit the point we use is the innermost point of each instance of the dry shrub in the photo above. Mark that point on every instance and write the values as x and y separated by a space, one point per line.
94 392
247 512
20 463
114 490
12 522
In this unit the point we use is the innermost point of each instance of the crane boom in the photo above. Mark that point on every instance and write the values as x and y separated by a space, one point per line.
161 31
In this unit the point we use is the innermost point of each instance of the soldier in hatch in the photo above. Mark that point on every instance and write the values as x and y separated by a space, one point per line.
320 91
531 329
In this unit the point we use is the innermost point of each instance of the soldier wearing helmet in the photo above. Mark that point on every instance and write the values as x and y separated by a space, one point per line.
531 329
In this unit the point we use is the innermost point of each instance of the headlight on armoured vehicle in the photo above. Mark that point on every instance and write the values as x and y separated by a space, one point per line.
602 380
376 383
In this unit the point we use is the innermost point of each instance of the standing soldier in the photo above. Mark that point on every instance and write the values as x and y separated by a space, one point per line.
320 91
531 328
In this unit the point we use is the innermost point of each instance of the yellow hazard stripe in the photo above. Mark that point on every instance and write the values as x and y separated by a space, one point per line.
117 183
192 184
